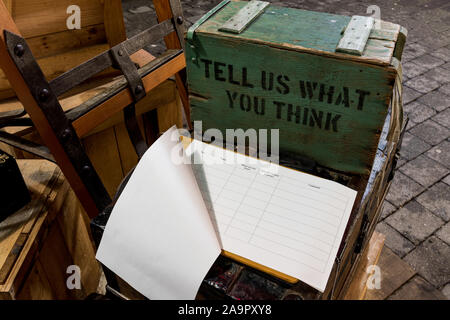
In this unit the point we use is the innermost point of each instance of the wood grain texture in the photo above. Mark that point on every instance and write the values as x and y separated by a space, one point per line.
114 23
299 30
358 287
394 273
34 18
89 121
352 140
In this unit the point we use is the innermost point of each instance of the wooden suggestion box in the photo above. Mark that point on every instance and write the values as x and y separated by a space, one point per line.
331 84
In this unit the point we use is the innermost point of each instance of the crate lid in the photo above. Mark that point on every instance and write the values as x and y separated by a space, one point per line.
305 31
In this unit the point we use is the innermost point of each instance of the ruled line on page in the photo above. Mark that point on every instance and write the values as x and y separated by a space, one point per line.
289 221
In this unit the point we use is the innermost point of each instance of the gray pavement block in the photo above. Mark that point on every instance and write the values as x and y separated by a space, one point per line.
443 118
413 146
414 222
422 84
428 61
387 210
424 170
446 66
441 53
445 89
431 260
431 132
446 180
440 153
438 74
417 289
437 200
413 50
409 94
394 240
403 189
446 291
418 112
436 100
444 234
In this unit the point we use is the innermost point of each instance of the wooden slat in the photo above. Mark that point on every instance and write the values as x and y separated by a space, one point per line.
40 17
55 259
86 123
76 234
394 273
358 287
56 65
114 23
356 35
244 17
164 12
60 42
39 187
37 115
102 150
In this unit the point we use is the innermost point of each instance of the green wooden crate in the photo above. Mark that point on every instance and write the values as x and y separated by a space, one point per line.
289 69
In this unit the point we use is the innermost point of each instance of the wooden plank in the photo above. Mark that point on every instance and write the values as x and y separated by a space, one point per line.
60 42
8 4
39 187
114 23
79 243
358 287
37 286
56 65
55 259
394 273
280 27
356 35
160 96
128 156
12 257
170 114
9 289
34 18
244 17
164 12
86 123
103 152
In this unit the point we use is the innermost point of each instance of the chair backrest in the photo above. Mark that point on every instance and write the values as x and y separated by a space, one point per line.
60 131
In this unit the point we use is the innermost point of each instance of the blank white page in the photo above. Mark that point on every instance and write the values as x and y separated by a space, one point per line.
283 219
159 237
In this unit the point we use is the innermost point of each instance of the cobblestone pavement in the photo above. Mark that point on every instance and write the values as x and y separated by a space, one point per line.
416 213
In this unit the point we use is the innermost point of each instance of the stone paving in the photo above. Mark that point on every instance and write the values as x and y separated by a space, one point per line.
416 213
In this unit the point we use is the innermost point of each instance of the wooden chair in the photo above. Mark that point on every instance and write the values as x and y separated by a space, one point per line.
40 89
59 129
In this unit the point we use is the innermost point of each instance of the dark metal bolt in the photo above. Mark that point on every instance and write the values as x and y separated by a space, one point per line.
66 134
138 89
86 169
19 50
44 94
180 20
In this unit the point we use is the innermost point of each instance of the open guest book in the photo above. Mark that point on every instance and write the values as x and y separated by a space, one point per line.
183 206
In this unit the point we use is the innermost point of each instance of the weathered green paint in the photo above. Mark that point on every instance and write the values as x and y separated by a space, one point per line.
227 89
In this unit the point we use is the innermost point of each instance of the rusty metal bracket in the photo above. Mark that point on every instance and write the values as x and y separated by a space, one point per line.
48 102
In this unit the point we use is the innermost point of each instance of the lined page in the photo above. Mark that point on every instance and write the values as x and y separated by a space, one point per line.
283 219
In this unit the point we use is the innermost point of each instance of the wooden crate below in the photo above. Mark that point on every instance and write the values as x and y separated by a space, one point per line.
39 242
109 146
